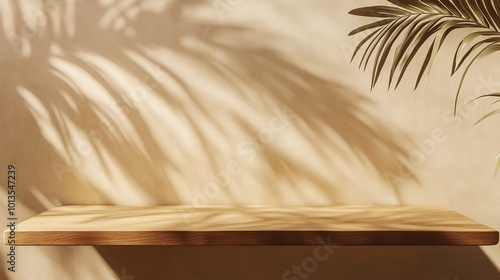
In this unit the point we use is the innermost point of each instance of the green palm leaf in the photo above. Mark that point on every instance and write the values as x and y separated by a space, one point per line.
407 27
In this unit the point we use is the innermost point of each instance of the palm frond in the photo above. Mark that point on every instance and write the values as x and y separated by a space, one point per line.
406 27
492 113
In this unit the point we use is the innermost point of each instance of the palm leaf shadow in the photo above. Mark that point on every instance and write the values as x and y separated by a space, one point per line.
322 105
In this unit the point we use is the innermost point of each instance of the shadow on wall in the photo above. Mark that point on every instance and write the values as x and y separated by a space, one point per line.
62 127
294 263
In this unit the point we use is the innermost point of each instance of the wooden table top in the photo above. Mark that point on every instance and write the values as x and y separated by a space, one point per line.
251 225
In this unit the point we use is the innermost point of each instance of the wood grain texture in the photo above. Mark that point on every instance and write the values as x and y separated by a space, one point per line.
252 225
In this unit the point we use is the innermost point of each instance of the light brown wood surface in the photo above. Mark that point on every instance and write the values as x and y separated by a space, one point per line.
252 225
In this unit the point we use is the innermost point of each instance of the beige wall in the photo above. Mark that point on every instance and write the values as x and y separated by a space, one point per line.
156 102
